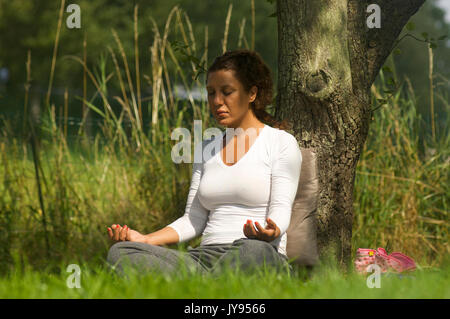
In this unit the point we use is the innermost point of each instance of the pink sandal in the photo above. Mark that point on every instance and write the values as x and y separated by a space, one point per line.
400 262
396 261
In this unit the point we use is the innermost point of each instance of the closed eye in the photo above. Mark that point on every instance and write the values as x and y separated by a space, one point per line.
225 93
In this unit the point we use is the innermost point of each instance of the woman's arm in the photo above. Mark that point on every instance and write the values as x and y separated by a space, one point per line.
187 227
164 236
193 222
285 178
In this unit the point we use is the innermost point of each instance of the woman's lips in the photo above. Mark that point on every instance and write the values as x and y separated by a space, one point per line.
222 113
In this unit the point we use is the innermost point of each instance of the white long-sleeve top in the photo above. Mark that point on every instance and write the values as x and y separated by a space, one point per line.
263 183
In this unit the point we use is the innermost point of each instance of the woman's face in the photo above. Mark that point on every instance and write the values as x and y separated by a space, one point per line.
226 94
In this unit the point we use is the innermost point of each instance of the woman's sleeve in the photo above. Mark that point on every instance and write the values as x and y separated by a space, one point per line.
193 222
285 178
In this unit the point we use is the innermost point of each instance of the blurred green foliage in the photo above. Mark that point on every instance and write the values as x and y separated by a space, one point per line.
409 61
32 25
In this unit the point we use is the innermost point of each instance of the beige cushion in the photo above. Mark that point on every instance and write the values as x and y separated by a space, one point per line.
301 234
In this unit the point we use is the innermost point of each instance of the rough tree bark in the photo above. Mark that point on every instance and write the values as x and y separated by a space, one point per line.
327 61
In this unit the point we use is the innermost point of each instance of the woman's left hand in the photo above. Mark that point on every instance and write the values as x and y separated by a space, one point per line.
271 232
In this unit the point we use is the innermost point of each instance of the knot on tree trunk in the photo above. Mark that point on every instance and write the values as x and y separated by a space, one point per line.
318 84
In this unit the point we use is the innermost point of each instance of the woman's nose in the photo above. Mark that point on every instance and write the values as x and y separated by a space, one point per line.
217 100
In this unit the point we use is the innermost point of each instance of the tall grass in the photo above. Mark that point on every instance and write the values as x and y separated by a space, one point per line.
401 198
127 176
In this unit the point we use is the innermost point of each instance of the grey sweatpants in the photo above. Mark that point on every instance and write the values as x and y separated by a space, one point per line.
245 254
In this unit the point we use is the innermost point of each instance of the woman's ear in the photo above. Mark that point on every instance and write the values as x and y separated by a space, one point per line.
253 93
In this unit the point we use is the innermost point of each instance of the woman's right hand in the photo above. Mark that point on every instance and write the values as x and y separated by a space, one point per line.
119 233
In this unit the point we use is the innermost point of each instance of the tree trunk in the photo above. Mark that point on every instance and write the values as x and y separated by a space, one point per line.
325 69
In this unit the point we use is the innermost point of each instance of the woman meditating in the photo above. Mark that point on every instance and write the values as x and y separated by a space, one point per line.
241 193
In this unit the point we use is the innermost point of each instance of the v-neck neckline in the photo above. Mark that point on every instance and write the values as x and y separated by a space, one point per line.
243 156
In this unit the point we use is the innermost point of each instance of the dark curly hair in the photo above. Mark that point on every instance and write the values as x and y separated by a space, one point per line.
251 70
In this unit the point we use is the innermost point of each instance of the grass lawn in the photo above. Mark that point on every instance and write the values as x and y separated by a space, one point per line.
323 282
